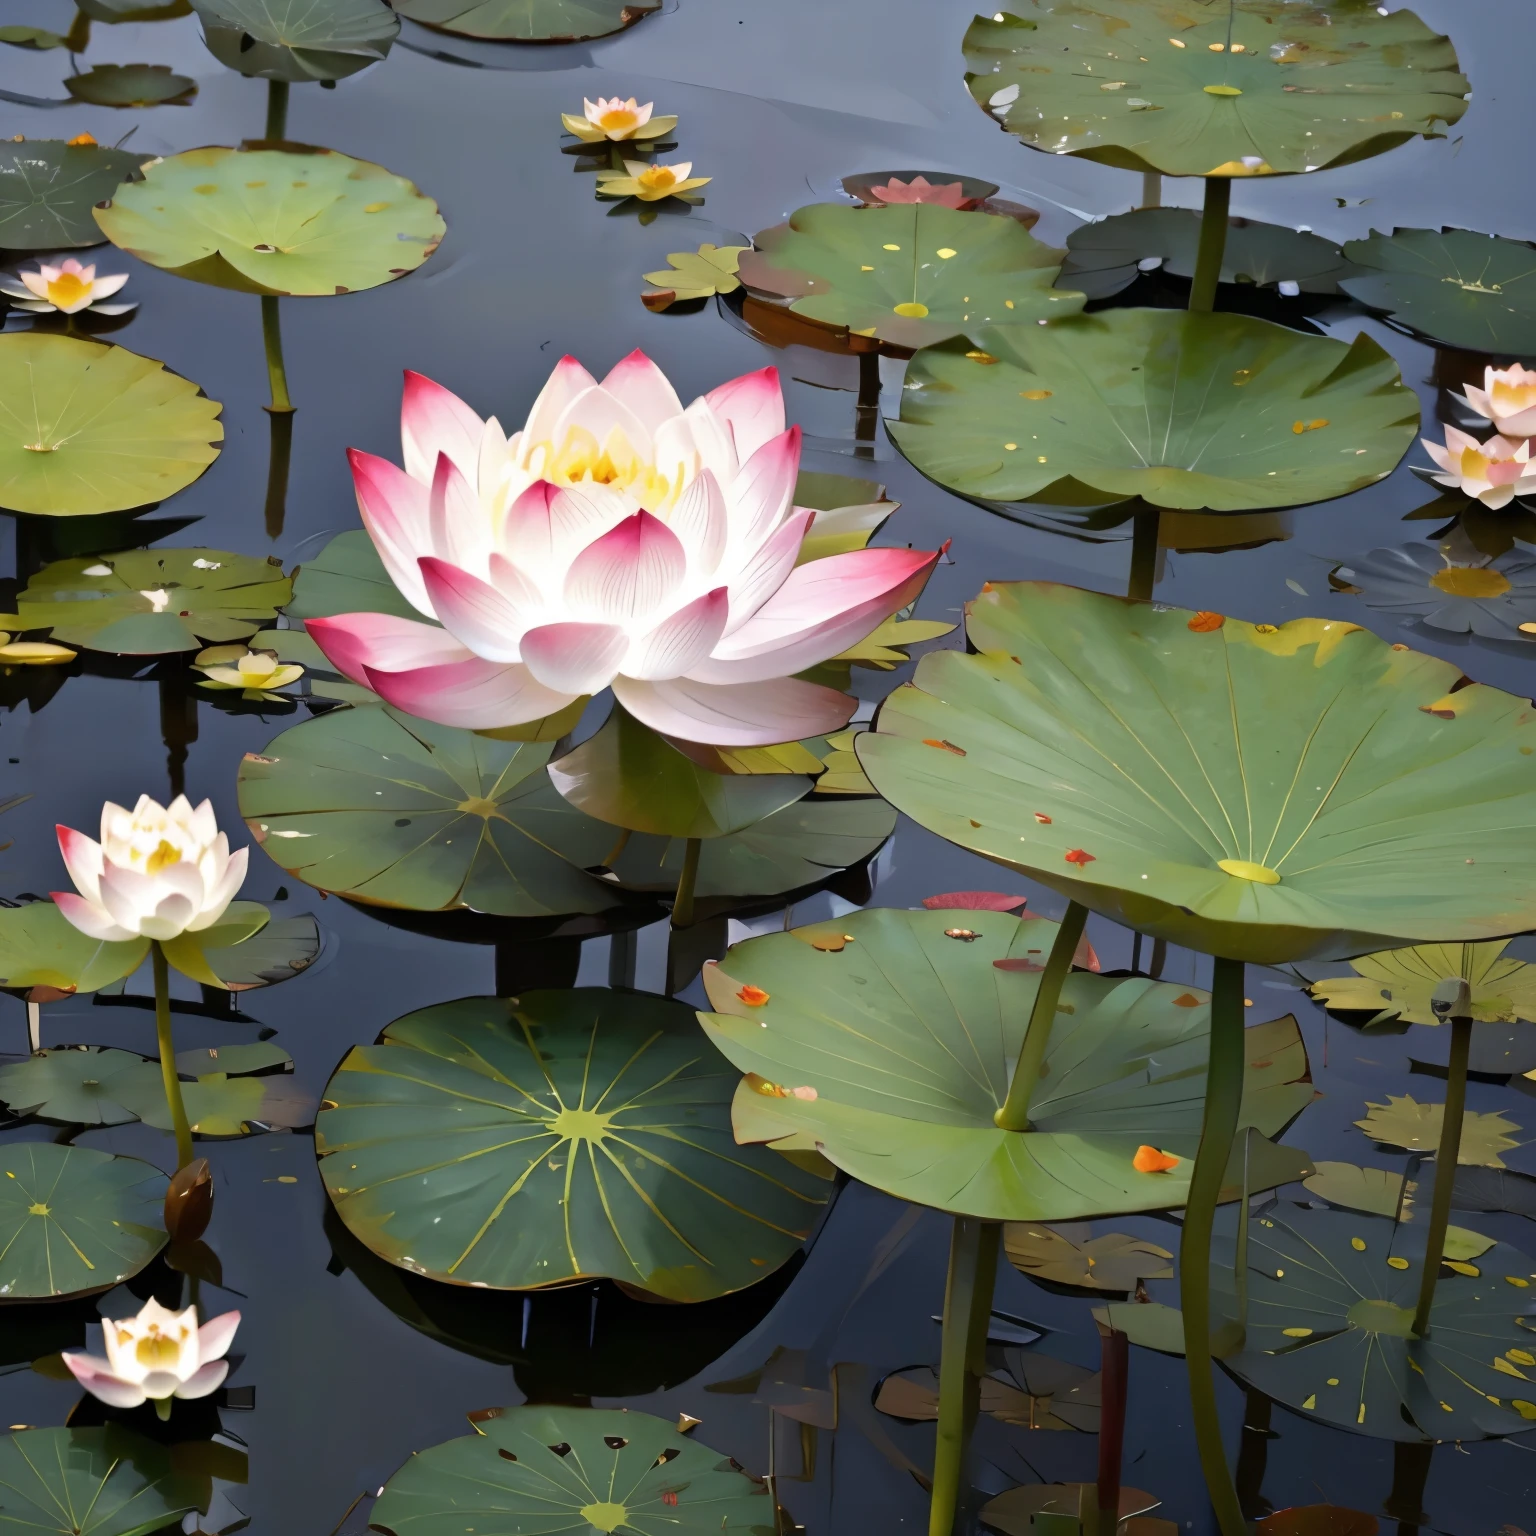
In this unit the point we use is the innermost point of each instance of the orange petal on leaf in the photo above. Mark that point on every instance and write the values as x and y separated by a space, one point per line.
753 997
1150 1160
1204 622
1078 857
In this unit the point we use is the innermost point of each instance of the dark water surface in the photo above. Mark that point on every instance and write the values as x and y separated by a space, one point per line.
354 1365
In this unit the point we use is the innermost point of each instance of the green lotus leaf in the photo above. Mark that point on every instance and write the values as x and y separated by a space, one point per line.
1255 87
1112 1262
233 1060
114 11
87 428
131 85
1495 1189
275 221
40 948
39 38
519 1144
1258 792
562 1469
528 21
48 188
1452 286
396 812
1182 409
908 275
886 1042
91 1482
297 40
1403 1122
74 1221
1398 983
1378 1191
1329 1317
281 950
694 275
1150 1324
347 576
1109 254
187 952
151 602
216 1103
73 1085
630 777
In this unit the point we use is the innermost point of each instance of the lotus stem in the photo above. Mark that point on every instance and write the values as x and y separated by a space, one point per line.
78 38
1445 1170
1151 189
1114 1366
1144 525
277 110
34 1026
867 411
279 457
272 338
1253 1454
967 1313
178 721
1159 959
1213 243
682 907
1223 1101
1014 1114
168 1057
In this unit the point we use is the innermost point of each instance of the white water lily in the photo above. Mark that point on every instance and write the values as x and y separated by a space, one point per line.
157 1355
1507 399
66 289
255 673
613 118
158 872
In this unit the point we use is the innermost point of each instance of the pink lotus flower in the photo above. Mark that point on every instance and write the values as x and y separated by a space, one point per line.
946 194
1495 472
618 540
156 1356
1507 399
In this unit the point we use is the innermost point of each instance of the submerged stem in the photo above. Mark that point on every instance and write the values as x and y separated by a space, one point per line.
279 457
1144 527
277 110
1223 1102
967 1312
1213 243
1151 189
272 339
1445 1170
167 1049
1014 1114
1114 1366
682 907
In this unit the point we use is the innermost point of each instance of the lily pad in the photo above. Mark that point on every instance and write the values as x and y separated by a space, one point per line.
347 576
1150 1324
559 1468
151 602
1476 292
1257 87
885 1040
392 811
1113 1262
234 1060
283 949
1403 1122
1330 1305
73 1085
1398 983
519 1144
73 1220
114 11
1415 581
907 275
1378 1191
275 221
1220 784
40 949
1019 1387
39 38
694 275
91 1482
1014 1512
529 21
1495 1189
627 775
88 428
132 85
1185 410
297 40
1109 254
48 188
216 1104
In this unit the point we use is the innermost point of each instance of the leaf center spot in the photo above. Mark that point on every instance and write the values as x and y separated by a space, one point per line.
584 1125
1222 90
1470 581
606 1516
1245 869
1376 1316
911 310
478 805
38 1209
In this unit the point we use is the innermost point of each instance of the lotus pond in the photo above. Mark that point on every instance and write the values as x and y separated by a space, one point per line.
938 939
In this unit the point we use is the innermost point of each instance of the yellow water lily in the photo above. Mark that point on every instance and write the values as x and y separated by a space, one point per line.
66 289
612 118
256 673
32 653
650 183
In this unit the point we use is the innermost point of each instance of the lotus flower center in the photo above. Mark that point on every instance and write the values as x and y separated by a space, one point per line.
1520 396
67 289
1470 581
1244 869
618 120
657 178
1386 1317
581 459
606 1516
478 805
912 311
156 1352
163 857
583 1125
